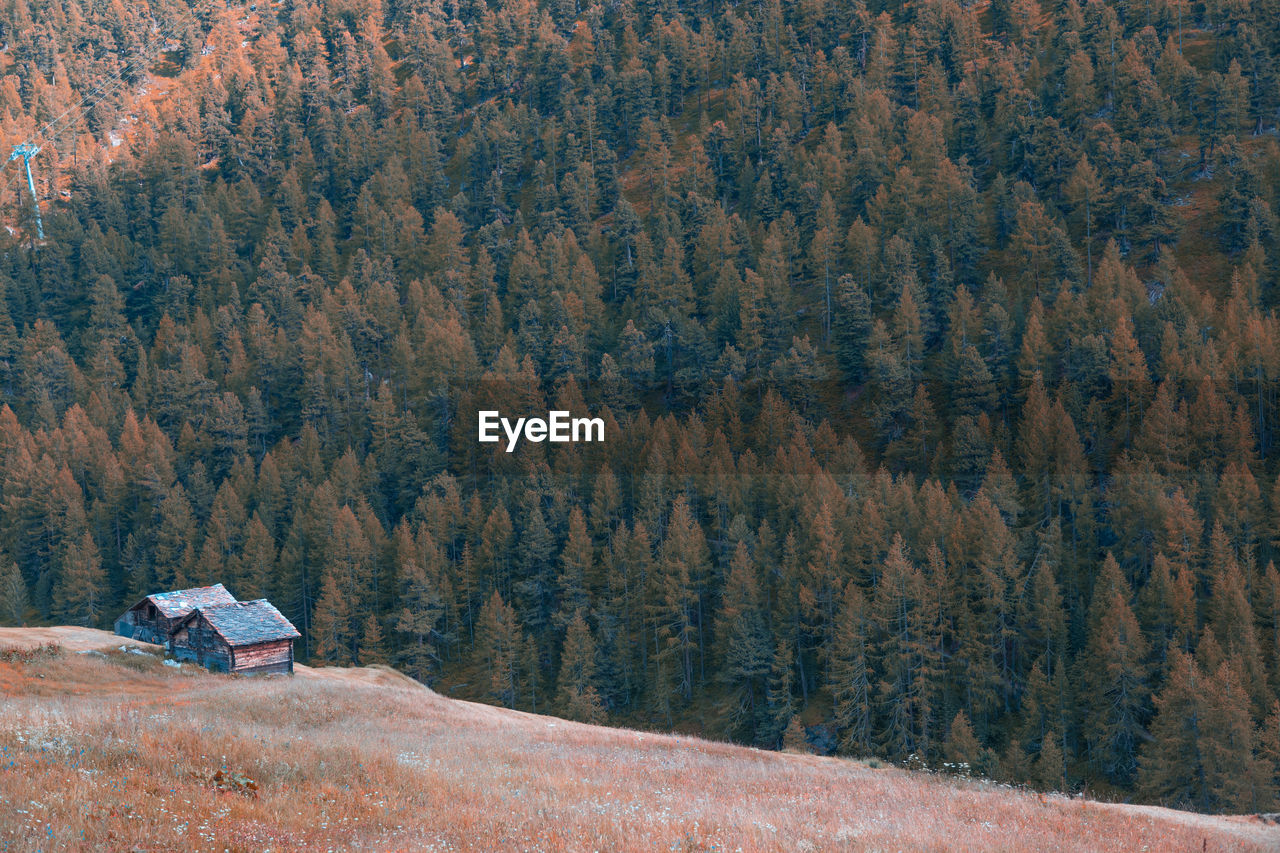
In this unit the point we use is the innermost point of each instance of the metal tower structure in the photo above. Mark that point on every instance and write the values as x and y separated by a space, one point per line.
26 151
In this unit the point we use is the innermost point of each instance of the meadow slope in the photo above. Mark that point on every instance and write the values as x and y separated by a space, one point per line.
108 748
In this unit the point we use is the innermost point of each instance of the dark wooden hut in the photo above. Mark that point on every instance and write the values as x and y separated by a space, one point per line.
153 618
242 636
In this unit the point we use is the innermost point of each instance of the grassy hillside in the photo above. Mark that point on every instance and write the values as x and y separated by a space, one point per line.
106 748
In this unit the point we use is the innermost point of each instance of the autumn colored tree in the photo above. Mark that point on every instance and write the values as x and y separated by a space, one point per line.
1203 741
499 638
80 597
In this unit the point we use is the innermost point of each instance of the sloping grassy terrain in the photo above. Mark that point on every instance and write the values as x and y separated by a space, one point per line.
110 749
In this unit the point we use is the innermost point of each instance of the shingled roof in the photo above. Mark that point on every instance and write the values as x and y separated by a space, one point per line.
182 601
244 623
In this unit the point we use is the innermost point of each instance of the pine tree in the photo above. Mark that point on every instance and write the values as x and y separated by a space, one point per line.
13 594
923 435
174 540
1114 679
1232 618
745 649
257 561
851 676
780 703
1129 377
1085 192
534 593
576 694
822 579
1046 622
578 570
680 571
1269 752
899 651
1167 607
794 737
421 608
852 321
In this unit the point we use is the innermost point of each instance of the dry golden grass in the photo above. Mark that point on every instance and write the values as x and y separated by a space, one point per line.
118 751
69 637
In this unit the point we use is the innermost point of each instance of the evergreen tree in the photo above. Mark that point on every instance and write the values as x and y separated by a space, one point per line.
13 595
780 701
900 638
746 653
420 613
679 573
851 676
1115 682
576 694
372 645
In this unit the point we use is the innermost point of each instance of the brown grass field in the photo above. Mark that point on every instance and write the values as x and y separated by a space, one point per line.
103 749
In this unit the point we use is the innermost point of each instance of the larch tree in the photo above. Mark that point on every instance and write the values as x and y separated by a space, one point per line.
333 628
80 597
500 640
1201 754
961 747
372 649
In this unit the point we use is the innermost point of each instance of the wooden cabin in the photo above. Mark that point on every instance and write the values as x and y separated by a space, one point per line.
153 618
241 636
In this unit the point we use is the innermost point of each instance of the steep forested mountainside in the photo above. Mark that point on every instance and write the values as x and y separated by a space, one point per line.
936 346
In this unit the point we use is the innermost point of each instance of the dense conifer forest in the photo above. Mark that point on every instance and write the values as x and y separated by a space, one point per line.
936 344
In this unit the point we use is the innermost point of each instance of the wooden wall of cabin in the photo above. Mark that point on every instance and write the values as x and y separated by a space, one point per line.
274 656
197 642
144 624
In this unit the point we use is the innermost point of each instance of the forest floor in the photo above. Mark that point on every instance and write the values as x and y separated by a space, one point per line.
105 746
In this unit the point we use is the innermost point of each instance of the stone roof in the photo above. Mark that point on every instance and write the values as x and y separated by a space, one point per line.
180 602
245 623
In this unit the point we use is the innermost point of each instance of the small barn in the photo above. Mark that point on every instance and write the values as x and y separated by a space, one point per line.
153 618
240 636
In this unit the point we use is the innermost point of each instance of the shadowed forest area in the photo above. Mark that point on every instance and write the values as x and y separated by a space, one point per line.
936 344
